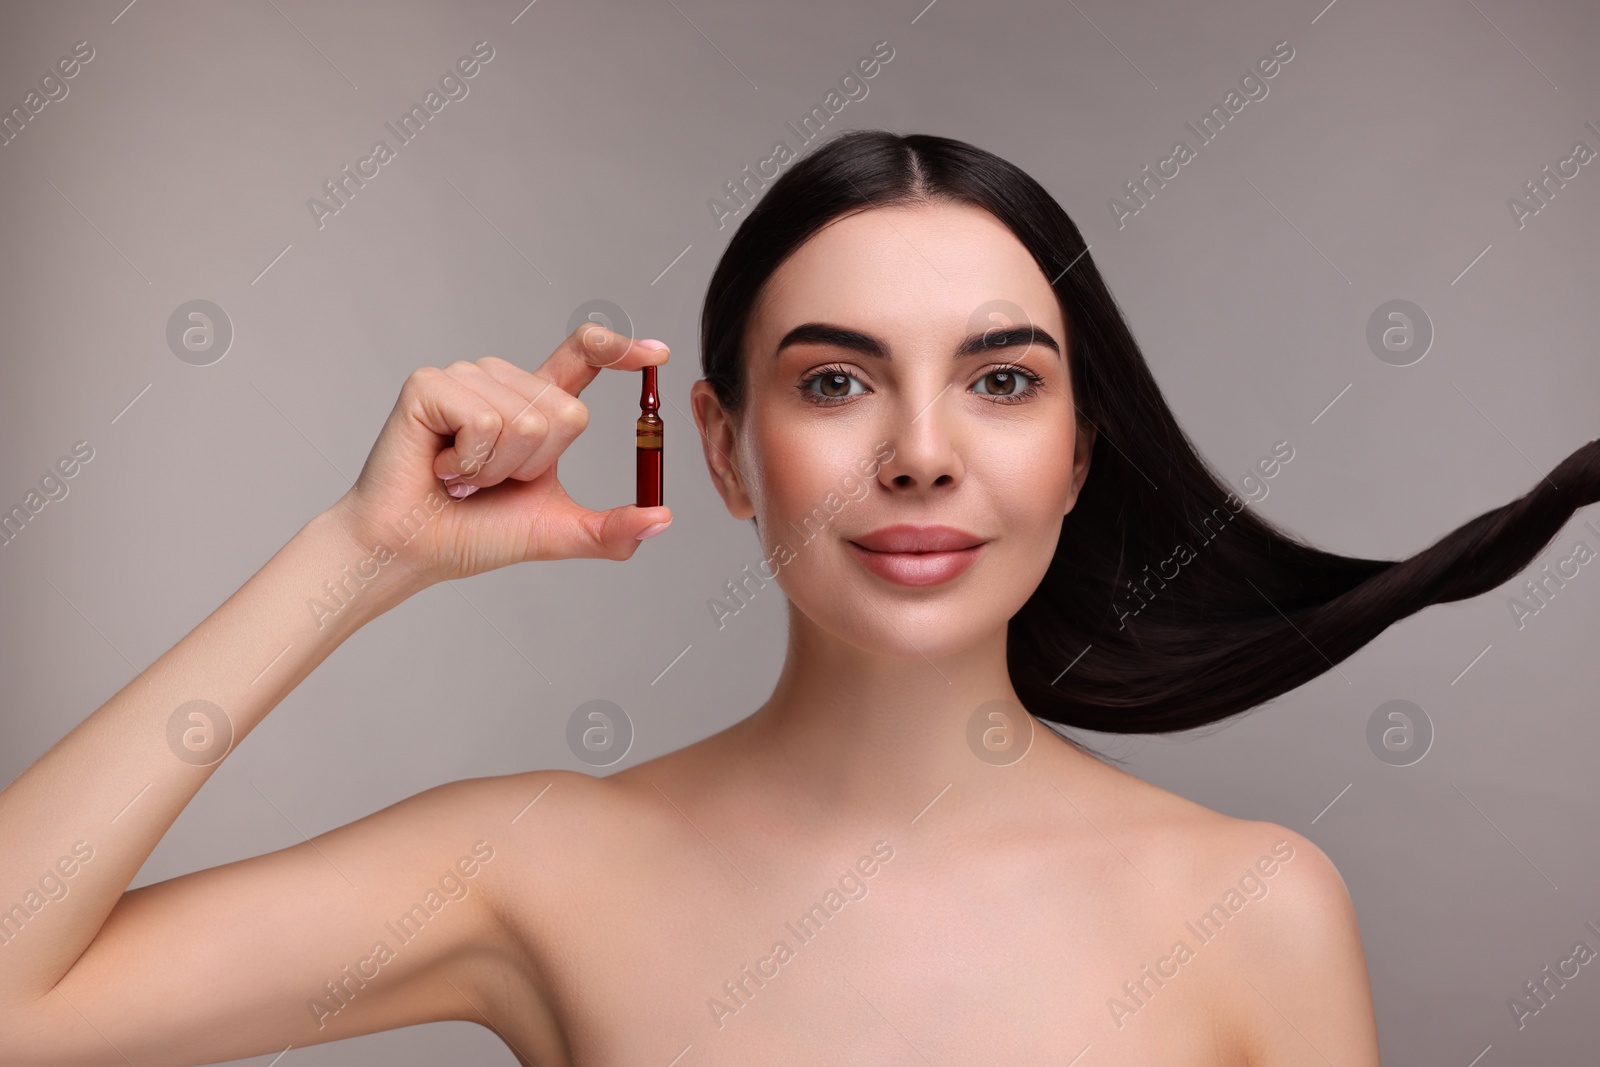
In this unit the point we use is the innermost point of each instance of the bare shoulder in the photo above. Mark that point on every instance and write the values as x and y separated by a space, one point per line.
1193 848
546 814
1266 914
1298 984
572 838
1176 843
558 836
1293 981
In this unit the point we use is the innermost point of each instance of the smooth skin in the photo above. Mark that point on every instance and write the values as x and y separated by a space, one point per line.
1006 906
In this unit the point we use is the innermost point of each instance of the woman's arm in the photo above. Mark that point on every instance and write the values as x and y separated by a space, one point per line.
221 963
233 961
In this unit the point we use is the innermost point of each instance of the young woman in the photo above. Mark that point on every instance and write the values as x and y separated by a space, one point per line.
963 475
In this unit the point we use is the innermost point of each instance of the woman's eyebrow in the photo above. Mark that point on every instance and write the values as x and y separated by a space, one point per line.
822 333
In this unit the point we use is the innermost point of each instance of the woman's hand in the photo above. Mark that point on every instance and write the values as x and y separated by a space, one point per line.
492 432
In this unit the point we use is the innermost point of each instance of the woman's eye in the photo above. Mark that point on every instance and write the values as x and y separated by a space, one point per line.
831 384
1008 383
1004 384
1014 383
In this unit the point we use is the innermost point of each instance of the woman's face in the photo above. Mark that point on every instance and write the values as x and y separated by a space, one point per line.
871 417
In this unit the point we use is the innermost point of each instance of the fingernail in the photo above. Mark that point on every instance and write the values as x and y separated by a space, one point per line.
657 345
653 529
448 478
461 490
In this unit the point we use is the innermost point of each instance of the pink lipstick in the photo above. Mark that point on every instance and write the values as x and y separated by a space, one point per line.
917 555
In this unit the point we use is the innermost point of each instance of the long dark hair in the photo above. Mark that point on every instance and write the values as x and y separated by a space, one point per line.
1107 642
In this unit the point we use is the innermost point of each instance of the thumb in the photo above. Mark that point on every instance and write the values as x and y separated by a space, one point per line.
616 533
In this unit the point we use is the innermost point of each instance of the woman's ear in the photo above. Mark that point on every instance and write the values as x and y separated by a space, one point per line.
717 436
1082 449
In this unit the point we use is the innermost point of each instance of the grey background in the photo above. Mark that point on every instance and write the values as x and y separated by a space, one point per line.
579 167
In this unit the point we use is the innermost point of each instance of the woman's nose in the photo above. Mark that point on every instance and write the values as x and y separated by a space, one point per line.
926 452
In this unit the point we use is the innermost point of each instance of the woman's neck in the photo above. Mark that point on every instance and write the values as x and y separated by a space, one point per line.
849 734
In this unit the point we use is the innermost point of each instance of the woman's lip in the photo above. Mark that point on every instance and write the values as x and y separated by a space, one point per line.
917 568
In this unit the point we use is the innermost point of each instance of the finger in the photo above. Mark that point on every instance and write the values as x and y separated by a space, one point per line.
610 534
523 427
592 347
566 415
449 409
531 386
619 530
